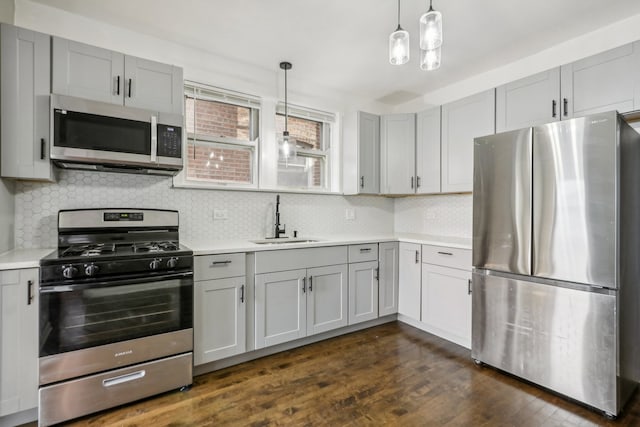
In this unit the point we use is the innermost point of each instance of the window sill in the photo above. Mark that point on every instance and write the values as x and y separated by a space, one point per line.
234 187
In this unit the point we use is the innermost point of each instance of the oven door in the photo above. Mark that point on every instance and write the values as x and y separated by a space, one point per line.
123 321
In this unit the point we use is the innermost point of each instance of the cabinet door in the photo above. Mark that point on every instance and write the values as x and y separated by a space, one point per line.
18 340
397 158
446 303
153 85
281 307
531 101
219 319
428 151
368 153
87 71
604 82
462 121
409 280
326 298
363 291
24 102
388 278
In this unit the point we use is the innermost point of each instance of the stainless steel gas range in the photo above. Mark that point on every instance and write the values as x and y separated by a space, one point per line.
116 304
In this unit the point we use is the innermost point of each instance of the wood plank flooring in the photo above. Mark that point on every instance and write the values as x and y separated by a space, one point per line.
391 375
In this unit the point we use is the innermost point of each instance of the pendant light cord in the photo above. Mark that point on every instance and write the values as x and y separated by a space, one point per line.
398 13
286 104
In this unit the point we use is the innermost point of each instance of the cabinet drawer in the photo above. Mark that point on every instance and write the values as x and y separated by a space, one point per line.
447 257
292 259
360 253
208 267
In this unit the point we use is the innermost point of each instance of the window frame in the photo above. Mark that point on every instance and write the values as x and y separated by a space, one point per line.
199 91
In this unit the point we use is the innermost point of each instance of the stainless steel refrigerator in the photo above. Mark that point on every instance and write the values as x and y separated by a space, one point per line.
556 257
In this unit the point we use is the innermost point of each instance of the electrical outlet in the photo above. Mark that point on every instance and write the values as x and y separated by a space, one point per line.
220 214
350 214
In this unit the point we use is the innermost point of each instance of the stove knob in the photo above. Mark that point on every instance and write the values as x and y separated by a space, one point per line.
172 263
69 271
155 264
91 269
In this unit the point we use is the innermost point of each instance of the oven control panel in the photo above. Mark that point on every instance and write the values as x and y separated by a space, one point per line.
123 216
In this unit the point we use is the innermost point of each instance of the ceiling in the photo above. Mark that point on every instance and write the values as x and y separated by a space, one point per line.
342 44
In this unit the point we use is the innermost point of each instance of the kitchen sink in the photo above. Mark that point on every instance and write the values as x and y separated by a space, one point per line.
283 240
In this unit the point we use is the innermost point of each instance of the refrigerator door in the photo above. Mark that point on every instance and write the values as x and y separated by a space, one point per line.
574 200
560 338
502 202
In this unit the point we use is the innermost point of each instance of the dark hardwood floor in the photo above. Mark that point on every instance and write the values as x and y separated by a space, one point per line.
387 375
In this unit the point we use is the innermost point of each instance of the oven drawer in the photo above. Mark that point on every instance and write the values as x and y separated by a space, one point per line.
361 253
207 267
75 398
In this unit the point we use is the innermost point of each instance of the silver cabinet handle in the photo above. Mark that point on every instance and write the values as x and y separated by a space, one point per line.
362 250
469 287
362 181
304 284
242 294
118 85
417 182
130 88
42 148
565 106
412 182
123 378
445 253
417 257
377 274
310 283
217 263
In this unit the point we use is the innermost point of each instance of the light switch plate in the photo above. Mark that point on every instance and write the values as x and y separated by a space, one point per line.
219 214
350 214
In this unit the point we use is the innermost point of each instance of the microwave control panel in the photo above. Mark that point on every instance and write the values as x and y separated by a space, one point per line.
169 141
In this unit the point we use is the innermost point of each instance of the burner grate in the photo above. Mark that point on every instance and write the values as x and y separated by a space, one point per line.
89 250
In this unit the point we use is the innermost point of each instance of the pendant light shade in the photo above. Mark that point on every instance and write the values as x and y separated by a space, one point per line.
286 144
399 44
430 59
431 29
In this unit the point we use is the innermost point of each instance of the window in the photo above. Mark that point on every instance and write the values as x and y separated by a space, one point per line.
311 131
222 136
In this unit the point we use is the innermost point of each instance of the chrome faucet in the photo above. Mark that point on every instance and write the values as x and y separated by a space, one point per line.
279 229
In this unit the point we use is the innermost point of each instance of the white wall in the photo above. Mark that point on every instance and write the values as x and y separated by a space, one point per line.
7 11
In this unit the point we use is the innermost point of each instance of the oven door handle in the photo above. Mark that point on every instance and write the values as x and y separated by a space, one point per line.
51 289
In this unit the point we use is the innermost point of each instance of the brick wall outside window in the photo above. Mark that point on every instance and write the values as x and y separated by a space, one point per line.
308 135
211 161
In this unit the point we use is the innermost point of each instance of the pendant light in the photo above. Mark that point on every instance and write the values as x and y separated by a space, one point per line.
431 29
399 44
286 144
430 59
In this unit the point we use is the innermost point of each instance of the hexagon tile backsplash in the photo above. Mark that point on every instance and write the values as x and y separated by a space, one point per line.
250 214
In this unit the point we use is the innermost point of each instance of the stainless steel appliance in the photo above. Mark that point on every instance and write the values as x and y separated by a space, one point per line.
556 238
101 136
116 311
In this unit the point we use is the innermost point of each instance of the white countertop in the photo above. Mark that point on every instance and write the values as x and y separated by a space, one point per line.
229 246
23 258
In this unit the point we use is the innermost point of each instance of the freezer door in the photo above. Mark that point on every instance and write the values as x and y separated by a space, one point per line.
502 202
560 338
574 200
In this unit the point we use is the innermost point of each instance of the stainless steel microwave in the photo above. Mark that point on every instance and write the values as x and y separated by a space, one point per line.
101 136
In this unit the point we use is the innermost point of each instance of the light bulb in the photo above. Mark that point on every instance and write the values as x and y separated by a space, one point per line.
431 30
285 148
430 59
399 47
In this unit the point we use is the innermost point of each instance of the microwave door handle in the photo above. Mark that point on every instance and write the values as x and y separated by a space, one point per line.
154 139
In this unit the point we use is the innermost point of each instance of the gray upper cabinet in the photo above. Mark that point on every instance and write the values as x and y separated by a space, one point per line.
102 75
603 82
428 151
531 101
397 158
368 153
462 121
24 103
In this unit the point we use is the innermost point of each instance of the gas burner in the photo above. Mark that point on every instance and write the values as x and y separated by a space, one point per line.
89 250
167 246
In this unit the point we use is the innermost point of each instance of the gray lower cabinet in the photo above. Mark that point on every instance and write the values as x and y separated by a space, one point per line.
388 270
409 259
297 303
220 307
90 72
24 103
363 291
462 121
18 340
